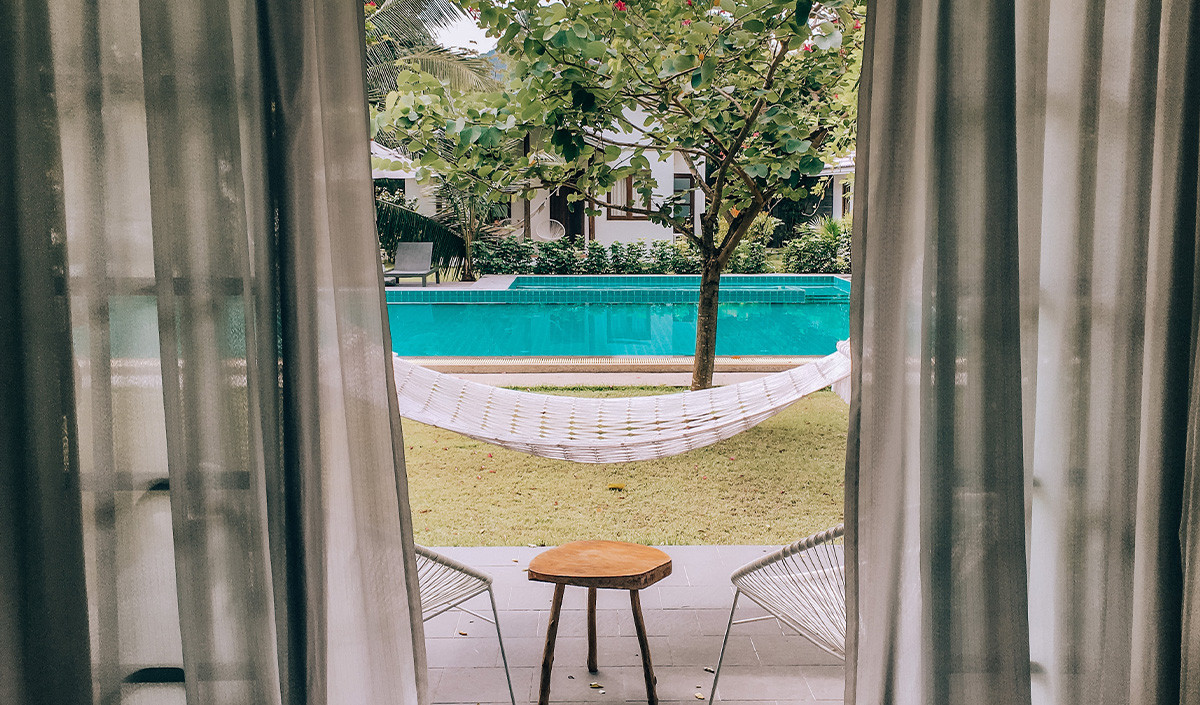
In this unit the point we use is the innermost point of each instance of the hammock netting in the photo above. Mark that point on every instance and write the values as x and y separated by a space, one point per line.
612 430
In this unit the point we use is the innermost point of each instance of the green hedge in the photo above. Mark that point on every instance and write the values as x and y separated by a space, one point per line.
509 255
821 247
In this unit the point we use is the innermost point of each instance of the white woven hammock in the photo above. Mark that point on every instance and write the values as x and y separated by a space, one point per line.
613 430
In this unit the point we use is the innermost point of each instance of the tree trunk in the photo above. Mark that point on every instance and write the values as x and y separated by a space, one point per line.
706 322
467 273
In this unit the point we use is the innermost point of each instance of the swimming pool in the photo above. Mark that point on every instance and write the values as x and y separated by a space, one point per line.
620 315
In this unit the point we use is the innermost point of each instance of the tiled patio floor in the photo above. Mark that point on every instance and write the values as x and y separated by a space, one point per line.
685 619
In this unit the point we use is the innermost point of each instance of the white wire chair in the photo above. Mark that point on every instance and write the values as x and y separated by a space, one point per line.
445 584
551 231
802 585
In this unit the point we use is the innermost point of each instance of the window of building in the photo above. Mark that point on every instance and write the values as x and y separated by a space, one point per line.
684 183
622 194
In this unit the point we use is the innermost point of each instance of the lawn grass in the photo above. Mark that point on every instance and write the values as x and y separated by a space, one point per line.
773 484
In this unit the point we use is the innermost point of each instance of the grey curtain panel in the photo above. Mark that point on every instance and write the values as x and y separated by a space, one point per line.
1021 471
203 495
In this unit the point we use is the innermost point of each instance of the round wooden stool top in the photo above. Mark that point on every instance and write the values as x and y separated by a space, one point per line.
601 564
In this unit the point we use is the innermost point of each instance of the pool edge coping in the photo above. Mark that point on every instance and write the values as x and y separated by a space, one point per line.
565 363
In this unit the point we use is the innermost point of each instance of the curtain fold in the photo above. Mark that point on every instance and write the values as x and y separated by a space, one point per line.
43 604
1025 321
214 507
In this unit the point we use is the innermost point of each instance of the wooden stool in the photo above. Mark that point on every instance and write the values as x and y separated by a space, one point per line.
612 565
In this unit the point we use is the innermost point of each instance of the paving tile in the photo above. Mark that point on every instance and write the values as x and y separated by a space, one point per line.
791 649
763 683
459 651
619 599
445 624
707 597
524 651
573 684
715 621
528 595
706 650
714 573
665 622
685 615
479 685
526 623
675 683
826 682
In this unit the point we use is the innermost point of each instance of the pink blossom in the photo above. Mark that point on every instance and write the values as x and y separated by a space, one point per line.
686 22
857 24
620 5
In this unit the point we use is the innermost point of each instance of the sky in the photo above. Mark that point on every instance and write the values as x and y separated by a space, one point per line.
463 33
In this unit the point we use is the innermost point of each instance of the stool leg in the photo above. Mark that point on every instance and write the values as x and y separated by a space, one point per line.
647 668
591 664
551 634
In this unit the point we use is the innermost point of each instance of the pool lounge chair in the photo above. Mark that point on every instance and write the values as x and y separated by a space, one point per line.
413 259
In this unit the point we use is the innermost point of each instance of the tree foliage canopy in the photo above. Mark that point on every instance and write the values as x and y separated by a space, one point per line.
754 95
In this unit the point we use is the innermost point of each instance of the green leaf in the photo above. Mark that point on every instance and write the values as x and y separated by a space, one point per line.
490 137
794 145
708 68
826 42
558 13
580 29
594 50
756 26
811 165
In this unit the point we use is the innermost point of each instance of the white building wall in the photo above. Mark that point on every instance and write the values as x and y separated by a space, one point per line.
424 195
663 170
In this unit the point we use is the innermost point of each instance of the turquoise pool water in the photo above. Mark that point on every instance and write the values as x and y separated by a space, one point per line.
635 315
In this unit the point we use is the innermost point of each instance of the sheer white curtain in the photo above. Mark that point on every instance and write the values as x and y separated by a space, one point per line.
1025 316
216 499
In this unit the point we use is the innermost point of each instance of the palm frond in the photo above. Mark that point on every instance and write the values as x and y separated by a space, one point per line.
414 22
462 70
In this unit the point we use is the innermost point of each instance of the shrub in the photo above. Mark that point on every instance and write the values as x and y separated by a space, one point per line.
627 259
762 229
687 258
596 260
822 247
507 255
662 257
559 257
749 258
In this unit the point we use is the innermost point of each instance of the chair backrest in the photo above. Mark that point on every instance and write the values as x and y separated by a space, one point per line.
804 586
413 256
